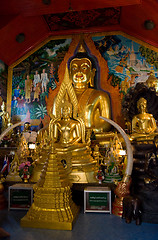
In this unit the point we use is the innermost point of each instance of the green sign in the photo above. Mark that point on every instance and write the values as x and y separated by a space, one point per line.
20 198
97 199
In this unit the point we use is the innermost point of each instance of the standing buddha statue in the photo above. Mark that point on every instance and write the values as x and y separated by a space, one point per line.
6 121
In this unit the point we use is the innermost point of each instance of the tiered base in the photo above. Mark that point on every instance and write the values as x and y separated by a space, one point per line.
25 222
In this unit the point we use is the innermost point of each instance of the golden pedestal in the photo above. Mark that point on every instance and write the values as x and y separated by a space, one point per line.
82 167
53 207
46 225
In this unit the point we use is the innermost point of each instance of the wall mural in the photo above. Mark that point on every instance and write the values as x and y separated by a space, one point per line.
34 77
128 63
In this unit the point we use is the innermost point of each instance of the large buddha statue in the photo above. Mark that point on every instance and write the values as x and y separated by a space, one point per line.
143 124
93 103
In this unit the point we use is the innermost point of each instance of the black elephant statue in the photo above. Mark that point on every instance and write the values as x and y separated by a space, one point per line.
132 209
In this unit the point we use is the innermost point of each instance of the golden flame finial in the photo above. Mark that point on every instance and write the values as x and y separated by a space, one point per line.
81 48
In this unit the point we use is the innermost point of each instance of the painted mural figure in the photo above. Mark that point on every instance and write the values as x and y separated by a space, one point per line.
44 80
36 78
17 92
37 91
14 105
125 85
52 76
28 89
21 106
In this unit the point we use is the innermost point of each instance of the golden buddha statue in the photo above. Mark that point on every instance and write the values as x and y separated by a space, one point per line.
152 80
13 174
6 121
143 124
23 150
66 130
70 139
92 103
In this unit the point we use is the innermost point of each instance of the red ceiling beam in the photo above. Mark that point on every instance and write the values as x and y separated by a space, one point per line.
133 18
36 7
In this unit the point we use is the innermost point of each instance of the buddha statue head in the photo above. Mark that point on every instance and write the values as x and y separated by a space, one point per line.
27 126
142 105
152 80
81 70
66 110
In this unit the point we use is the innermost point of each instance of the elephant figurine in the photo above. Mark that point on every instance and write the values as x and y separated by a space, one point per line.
132 209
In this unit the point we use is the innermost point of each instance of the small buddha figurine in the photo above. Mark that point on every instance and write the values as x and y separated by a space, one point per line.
23 150
67 130
13 174
143 124
93 103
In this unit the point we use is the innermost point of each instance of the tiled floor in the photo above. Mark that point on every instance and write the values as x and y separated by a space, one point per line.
89 226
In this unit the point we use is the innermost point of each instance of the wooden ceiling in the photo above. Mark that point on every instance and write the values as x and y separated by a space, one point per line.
38 19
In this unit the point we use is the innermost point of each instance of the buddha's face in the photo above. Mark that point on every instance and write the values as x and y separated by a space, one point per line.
81 72
26 127
66 112
152 84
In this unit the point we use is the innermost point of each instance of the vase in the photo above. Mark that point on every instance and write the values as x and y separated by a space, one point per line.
25 180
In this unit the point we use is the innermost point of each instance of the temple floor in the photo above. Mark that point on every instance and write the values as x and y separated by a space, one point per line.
91 226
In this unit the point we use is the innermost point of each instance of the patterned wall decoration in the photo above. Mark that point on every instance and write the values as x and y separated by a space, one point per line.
83 19
33 78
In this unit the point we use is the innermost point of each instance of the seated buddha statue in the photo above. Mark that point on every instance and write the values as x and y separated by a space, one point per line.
143 124
13 174
92 103
69 138
66 131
